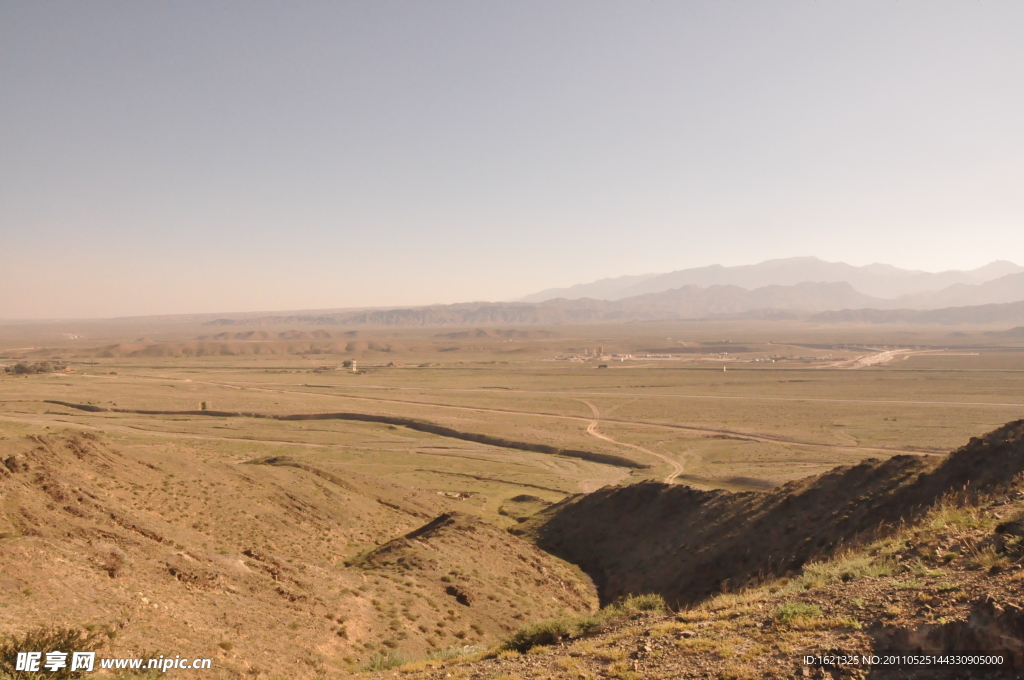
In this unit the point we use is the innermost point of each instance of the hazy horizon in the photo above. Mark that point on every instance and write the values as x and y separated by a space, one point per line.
167 159
517 299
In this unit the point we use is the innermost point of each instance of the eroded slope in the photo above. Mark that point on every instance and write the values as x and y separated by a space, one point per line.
169 549
687 544
504 580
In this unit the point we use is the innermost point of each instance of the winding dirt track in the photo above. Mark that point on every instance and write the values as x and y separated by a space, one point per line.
677 468
732 434
592 424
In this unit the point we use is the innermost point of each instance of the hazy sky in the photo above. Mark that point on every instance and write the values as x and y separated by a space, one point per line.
160 157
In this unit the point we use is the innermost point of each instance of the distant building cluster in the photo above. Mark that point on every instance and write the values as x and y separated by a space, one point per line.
593 355
598 356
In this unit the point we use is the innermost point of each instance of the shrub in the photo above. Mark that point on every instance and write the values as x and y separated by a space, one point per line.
47 639
384 662
555 630
989 558
21 368
632 604
542 633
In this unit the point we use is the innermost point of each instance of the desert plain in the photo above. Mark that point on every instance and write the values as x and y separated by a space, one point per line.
299 501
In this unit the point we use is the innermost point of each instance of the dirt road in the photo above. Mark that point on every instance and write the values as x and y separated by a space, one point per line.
677 468
734 434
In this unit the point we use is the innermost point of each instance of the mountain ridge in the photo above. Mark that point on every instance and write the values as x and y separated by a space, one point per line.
877 280
816 302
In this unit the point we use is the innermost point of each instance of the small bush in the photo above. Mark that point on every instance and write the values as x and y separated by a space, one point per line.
384 662
791 611
640 603
952 516
23 368
542 633
555 630
990 559
47 639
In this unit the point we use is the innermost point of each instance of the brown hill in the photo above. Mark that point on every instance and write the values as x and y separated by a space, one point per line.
170 549
263 336
242 343
496 333
687 544
945 581
210 348
949 586
505 580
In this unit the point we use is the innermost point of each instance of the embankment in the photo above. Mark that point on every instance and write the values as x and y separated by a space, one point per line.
411 423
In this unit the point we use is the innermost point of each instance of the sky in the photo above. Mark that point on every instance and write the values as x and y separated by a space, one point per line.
185 157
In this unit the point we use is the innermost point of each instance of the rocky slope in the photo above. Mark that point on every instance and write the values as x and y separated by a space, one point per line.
947 578
686 544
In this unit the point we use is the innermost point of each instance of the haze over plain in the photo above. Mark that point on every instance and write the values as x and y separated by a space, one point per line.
174 159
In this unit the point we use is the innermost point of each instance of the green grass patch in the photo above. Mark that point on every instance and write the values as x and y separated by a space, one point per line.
912 584
793 611
553 631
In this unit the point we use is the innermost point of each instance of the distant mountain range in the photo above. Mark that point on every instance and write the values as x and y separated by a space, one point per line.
804 288
1006 313
836 302
876 280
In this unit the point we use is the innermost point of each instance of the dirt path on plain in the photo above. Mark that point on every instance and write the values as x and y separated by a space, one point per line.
885 356
677 468
733 434
877 359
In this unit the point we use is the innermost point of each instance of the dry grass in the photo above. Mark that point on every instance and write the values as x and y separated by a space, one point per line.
205 501
45 639
556 630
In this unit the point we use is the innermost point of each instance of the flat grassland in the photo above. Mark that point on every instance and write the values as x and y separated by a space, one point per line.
659 397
